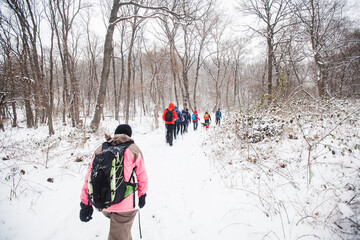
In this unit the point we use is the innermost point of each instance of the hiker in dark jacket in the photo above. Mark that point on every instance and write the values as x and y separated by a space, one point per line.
218 117
184 121
188 120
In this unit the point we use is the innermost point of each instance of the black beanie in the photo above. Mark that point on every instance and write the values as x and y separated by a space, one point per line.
124 129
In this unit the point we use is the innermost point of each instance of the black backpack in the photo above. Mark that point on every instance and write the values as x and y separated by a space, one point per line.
106 185
188 115
169 115
183 118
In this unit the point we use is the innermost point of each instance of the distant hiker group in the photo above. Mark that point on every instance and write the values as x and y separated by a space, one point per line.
178 122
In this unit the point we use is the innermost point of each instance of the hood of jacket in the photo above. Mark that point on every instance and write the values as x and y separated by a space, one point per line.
171 106
119 139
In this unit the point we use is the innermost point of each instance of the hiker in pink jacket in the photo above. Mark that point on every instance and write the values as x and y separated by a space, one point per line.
121 214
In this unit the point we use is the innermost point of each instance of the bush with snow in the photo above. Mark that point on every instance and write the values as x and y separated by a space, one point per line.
300 161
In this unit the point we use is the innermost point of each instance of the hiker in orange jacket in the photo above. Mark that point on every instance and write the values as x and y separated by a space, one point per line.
207 119
169 116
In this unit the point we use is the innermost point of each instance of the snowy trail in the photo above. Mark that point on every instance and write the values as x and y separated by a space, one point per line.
186 199
181 194
182 203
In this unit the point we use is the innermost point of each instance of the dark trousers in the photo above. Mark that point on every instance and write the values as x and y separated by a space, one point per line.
183 128
218 121
195 123
170 128
207 123
176 131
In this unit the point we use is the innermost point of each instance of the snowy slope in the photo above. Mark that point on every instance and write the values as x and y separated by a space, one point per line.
204 187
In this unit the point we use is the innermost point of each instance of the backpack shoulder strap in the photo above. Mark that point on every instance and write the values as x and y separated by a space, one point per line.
105 146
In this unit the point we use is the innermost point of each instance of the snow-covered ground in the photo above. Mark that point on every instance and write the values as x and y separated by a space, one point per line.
214 184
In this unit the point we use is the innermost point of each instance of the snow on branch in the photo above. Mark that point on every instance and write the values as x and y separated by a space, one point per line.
159 10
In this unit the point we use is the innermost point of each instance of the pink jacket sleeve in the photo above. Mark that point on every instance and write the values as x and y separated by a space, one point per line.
84 189
141 175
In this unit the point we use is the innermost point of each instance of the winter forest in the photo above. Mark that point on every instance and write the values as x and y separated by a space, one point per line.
285 74
56 64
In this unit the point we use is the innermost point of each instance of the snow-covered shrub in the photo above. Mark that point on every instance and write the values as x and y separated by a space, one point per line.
301 159
257 129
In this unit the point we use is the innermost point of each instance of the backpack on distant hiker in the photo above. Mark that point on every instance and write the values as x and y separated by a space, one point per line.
217 114
193 117
188 115
169 115
183 117
206 116
107 185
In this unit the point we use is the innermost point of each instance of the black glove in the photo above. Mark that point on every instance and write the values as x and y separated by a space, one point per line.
142 201
86 212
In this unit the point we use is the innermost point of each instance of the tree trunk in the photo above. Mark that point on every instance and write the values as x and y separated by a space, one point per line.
106 66
134 90
51 87
197 77
269 67
174 70
116 101
142 86
129 71
74 91
27 94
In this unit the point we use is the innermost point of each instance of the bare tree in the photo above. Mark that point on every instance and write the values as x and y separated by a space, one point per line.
321 21
141 71
170 27
189 49
51 18
345 66
92 53
218 67
66 12
135 24
203 29
29 21
273 13
155 60
154 11
236 55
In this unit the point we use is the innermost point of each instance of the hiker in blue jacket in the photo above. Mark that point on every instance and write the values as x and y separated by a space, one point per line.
177 122
184 121
195 118
218 116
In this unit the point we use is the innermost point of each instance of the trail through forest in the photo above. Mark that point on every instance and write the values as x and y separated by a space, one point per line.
196 190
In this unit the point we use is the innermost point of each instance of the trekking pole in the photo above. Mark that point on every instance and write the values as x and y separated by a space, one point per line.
139 225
